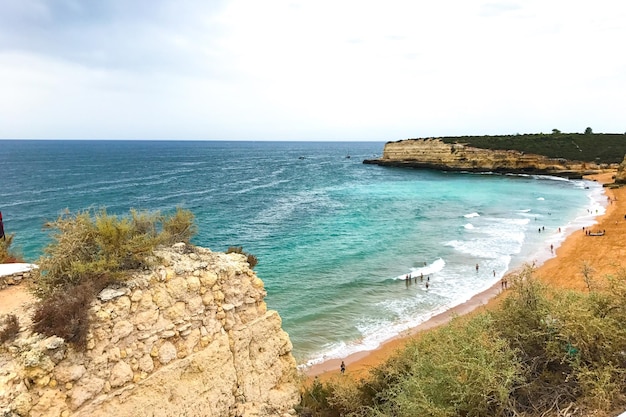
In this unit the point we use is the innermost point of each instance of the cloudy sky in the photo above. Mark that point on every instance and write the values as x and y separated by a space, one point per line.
309 70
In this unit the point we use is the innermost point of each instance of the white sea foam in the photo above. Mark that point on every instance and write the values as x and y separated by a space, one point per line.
469 226
425 270
471 215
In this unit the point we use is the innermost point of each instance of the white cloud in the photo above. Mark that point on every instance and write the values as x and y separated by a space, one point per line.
308 70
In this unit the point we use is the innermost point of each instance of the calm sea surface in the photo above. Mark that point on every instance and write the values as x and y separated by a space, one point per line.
334 237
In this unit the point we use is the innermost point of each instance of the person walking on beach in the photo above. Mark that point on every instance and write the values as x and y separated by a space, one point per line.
2 228
343 368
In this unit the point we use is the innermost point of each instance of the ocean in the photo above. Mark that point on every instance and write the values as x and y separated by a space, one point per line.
335 238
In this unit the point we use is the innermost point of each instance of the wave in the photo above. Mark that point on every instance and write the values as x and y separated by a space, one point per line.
427 269
469 226
471 215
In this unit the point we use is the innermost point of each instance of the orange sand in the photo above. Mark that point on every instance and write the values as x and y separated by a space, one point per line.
604 254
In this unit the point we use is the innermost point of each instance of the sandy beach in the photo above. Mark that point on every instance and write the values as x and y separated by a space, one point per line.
603 255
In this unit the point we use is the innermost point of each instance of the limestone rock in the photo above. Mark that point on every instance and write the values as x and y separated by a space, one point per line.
121 374
435 154
192 336
111 293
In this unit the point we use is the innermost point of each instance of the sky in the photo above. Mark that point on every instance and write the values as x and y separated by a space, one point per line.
309 70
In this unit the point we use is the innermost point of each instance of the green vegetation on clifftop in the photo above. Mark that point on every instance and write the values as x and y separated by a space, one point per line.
591 147
90 250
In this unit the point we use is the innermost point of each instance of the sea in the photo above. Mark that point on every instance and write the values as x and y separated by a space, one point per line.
335 238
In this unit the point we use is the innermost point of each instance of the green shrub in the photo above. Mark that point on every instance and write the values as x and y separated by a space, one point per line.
541 351
9 328
94 243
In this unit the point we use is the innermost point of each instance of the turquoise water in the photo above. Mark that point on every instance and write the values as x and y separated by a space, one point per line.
334 237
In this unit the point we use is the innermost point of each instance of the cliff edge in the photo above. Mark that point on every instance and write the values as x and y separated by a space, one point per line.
191 336
435 154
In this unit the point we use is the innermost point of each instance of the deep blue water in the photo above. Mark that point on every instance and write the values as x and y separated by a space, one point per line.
333 236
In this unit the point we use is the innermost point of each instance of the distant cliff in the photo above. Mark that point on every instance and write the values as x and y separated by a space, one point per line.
189 337
435 154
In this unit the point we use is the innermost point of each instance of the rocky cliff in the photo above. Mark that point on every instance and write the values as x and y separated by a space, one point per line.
435 154
190 337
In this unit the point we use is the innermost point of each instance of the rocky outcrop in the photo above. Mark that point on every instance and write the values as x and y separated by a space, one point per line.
620 176
190 337
13 274
435 154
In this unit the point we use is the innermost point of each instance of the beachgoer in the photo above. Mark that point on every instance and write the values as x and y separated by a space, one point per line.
343 367
427 284
476 267
551 248
2 228
559 230
421 277
494 272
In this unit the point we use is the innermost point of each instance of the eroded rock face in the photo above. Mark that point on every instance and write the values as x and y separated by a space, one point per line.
191 337
435 154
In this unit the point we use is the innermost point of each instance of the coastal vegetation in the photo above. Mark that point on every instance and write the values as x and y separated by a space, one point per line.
9 328
588 147
90 250
7 255
543 351
252 260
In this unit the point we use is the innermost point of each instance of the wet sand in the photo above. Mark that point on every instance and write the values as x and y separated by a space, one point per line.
603 254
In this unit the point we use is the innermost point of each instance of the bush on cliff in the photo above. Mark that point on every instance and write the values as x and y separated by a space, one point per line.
9 328
88 244
6 253
89 251
542 351
252 260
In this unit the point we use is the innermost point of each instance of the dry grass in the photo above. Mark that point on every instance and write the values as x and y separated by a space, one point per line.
66 312
9 328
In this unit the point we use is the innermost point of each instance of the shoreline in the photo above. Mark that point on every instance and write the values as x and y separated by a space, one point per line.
553 271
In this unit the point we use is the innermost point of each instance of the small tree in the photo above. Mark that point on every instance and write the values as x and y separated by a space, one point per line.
588 131
556 131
